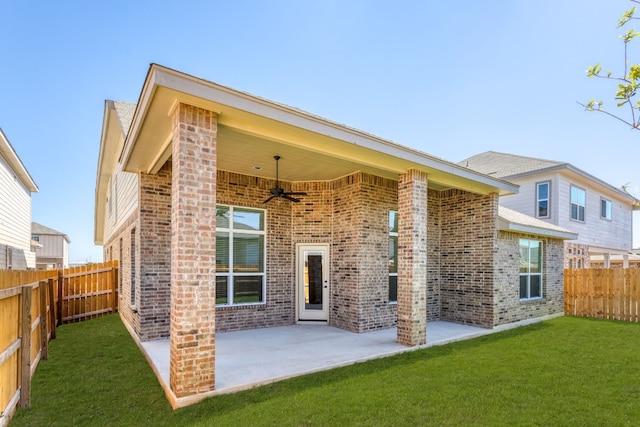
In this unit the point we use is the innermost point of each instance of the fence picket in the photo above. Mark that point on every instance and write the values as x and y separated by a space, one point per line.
612 293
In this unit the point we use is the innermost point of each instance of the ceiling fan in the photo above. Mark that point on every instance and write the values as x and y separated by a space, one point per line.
278 192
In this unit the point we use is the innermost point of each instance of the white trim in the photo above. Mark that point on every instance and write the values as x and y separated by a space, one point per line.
548 199
529 274
584 206
317 315
230 275
610 204
9 154
190 86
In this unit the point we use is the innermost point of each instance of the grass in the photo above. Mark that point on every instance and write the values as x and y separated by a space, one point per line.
567 371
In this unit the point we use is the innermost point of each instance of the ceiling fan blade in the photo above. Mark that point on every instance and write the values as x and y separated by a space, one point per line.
286 196
279 192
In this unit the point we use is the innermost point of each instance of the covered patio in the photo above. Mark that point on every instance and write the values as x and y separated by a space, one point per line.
251 358
190 199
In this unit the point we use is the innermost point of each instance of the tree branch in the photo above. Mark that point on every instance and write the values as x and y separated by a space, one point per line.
599 110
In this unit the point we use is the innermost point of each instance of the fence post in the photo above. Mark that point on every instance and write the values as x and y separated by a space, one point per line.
52 307
25 348
44 330
114 285
60 286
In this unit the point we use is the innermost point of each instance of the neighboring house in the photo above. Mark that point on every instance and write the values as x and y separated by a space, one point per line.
190 200
17 250
561 194
53 252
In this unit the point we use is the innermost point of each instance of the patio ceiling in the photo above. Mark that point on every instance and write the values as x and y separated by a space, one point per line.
252 130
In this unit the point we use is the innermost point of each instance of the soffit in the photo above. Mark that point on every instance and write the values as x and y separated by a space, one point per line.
251 131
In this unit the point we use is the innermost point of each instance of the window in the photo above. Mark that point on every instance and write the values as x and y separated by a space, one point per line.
542 197
393 256
132 259
605 209
120 269
240 255
578 202
35 238
530 269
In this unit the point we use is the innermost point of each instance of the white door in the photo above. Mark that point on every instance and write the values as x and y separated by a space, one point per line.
312 281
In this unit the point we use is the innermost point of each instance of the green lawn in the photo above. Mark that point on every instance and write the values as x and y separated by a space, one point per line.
563 372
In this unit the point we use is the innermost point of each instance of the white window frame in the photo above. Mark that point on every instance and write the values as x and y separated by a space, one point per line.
232 274
547 199
607 212
132 266
529 274
393 234
577 204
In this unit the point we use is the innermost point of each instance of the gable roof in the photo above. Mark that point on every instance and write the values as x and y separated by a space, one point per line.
510 220
125 111
43 230
11 157
317 149
503 165
510 166
251 130
115 126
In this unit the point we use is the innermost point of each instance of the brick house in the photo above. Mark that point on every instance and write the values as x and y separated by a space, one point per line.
381 235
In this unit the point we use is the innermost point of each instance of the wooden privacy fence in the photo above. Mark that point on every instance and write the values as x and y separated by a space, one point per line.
87 292
32 304
605 293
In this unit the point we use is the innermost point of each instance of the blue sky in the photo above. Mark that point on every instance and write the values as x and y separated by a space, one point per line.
449 78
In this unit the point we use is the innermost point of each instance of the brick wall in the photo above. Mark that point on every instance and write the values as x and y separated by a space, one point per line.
508 307
379 196
360 253
150 228
345 262
247 191
433 255
351 214
578 253
467 248
154 254
112 248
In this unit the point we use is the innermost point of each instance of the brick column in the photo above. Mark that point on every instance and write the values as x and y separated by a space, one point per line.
193 251
412 258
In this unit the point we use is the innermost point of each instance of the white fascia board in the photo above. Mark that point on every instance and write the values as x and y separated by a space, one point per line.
180 82
519 228
12 158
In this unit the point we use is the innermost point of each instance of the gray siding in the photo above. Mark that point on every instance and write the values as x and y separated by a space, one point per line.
614 234
15 221
53 247
123 195
595 231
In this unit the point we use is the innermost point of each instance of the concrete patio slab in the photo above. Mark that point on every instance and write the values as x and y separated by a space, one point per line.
247 359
